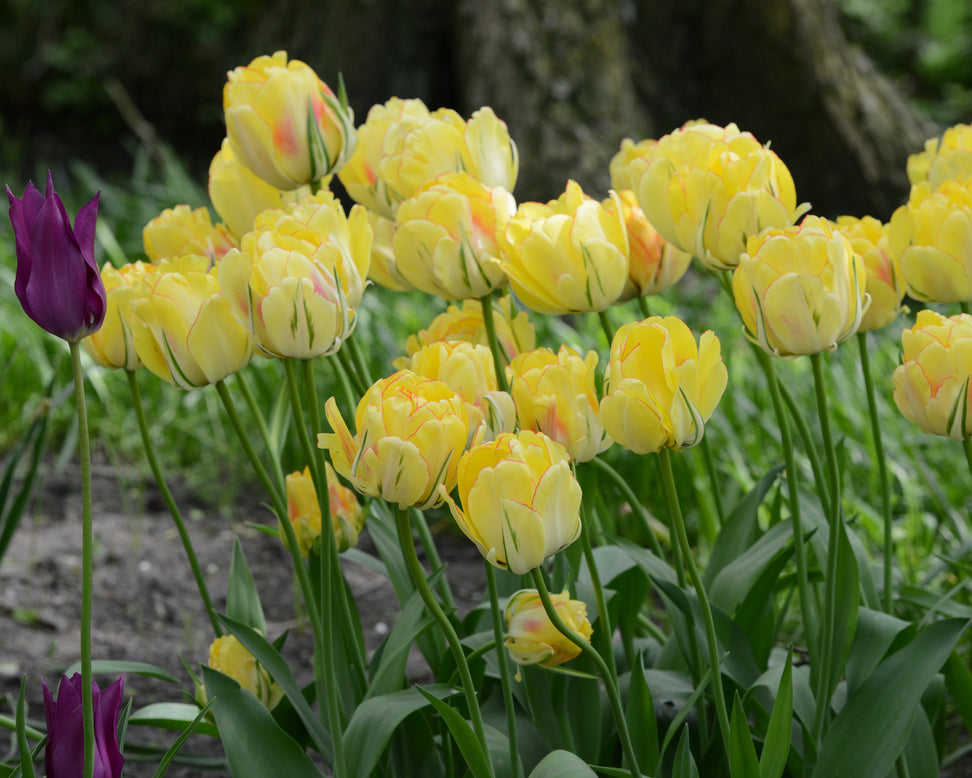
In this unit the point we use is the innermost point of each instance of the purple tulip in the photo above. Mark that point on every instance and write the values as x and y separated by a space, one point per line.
57 282
64 755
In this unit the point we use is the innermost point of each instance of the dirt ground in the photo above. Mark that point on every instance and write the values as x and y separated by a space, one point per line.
146 606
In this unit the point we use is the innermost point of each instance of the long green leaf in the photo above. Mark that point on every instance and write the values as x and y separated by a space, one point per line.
732 584
684 765
871 730
742 753
848 598
958 681
172 715
476 759
875 633
389 663
280 671
640 715
562 764
119 666
374 721
242 596
26 761
776 746
255 745
171 752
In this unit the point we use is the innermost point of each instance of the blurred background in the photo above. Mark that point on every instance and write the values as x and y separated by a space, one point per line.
844 89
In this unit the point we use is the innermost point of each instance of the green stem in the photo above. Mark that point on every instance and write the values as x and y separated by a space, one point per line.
793 495
358 358
634 502
604 618
486 302
419 579
432 553
502 657
606 327
798 416
614 698
964 307
823 691
967 446
300 568
261 423
349 370
197 572
882 469
668 482
716 492
87 562
643 306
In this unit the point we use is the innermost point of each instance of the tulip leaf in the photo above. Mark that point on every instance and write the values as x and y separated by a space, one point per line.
172 715
26 758
472 751
242 597
119 666
741 527
280 671
375 720
776 746
736 579
562 764
871 730
684 765
640 715
958 681
254 743
191 727
876 632
389 663
921 752
742 753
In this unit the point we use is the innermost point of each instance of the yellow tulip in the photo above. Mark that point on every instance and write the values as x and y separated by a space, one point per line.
623 173
660 386
931 236
520 500
555 394
230 657
284 123
299 277
932 386
402 146
948 158
706 189
182 230
237 193
304 510
446 240
468 370
410 433
800 290
112 345
567 256
885 281
384 265
184 329
654 264
532 639
515 333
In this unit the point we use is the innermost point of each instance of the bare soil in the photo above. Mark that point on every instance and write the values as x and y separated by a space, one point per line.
146 605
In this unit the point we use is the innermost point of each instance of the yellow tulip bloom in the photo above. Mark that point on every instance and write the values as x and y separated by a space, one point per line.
230 657
410 433
520 500
304 510
800 290
284 123
948 158
885 281
661 387
179 231
932 386
532 639
112 345
237 193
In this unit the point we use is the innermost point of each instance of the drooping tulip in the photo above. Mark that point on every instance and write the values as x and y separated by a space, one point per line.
57 280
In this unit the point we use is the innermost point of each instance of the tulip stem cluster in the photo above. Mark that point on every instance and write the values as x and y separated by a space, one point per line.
419 579
170 502
610 686
503 659
634 502
486 303
87 561
671 495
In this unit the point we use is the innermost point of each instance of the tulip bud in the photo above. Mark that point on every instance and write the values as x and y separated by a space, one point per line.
520 500
230 657
568 256
532 639
284 123
932 386
660 386
410 432
800 290
64 751
57 280
304 510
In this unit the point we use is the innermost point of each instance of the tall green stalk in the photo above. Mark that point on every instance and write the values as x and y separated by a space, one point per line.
671 495
425 592
503 659
882 469
967 447
633 501
87 562
170 502
614 697
499 363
